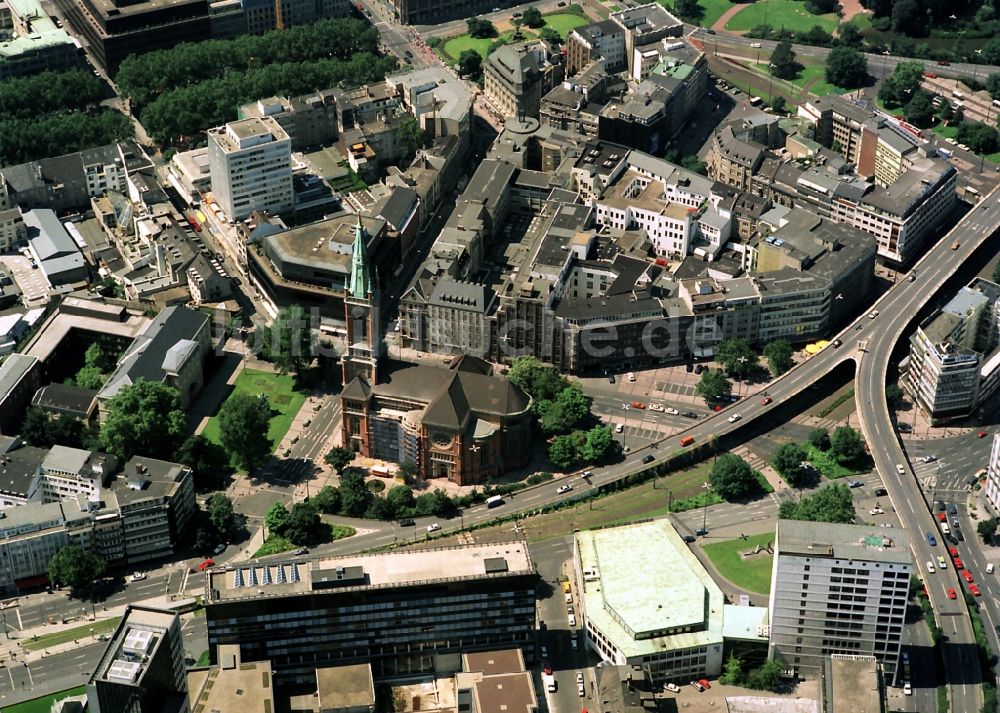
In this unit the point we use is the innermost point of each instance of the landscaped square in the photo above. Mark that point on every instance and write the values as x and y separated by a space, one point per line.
789 14
752 573
284 399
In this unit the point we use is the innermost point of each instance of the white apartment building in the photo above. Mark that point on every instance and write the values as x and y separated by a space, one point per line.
837 589
68 472
637 201
250 162
993 475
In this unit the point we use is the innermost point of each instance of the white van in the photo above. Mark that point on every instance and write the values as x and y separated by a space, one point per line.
945 529
989 568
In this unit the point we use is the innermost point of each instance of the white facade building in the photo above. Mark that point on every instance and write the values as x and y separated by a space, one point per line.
837 589
250 162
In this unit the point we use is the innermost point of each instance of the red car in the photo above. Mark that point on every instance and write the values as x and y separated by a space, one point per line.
982 434
975 590
967 576
638 405
206 564
958 564
953 551
942 517
704 682
766 400
951 593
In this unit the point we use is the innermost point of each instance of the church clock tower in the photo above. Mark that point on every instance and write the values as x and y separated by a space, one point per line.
361 314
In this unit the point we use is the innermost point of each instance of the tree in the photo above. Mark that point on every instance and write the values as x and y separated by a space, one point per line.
470 64
569 408
689 10
986 530
822 7
400 500
563 452
411 137
199 454
846 67
338 458
714 386
733 675
919 110
287 342
599 443
908 18
75 568
222 516
992 85
276 519
779 356
434 42
850 35
144 418
694 164
540 382
328 500
737 357
36 428
894 396
819 438
787 460
815 36
550 35
436 502
733 478
979 137
243 423
846 445
97 357
902 84
833 503
481 28
766 677
783 64
778 104
532 17
409 470
89 377
303 526
354 494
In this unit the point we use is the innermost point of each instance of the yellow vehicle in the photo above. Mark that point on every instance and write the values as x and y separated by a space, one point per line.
566 587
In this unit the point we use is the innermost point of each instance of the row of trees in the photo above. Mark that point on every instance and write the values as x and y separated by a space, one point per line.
766 677
143 77
188 110
563 413
33 137
47 92
738 360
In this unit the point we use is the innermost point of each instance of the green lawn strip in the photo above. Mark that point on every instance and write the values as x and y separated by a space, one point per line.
204 660
714 9
811 77
942 699
862 20
563 22
339 532
830 468
279 389
274 545
44 704
841 398
37 643
752 573
455 46
789 14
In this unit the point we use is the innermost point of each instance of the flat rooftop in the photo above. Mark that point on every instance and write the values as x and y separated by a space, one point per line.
255 580
856 542
646 582
851 685
232 686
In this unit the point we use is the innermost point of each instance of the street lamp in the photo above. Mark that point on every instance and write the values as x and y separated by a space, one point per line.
707 487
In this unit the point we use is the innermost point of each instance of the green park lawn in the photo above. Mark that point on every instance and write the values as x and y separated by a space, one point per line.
753 573
44 641
946 132
830 468
457 45
714 9
563 22
789 14
284 399
44 704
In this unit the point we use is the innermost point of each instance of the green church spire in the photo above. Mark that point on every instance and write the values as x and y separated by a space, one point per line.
361 284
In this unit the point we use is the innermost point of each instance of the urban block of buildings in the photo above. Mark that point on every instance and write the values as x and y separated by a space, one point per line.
31 42
954 361
838 589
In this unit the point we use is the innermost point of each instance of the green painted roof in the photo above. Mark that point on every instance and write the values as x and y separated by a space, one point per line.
360 285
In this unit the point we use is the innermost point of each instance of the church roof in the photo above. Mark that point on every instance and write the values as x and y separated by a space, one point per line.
357 389
360 285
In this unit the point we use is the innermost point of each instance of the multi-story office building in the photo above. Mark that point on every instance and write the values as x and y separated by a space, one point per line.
406 613
645 26
30 535
20 377
847 128
517 76
32 42
142 669
113 30
837 589
992 488
647 601
251 166
603 40
954 361
71 472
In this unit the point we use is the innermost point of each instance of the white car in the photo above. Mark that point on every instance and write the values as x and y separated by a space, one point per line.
138 576
756 45
619 428
929 459
907 689
656 407
573 644
564 489
572 619
580 691
631 376
734 418
672 687
579 676
930 567
433 527
672 411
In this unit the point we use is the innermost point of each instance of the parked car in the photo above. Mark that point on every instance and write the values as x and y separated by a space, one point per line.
967 576
672 687
646 459
406 522
974 590
689 414
138 576
433 527
855 484
952 594
696 685
952 508
563 489
638 405
671 411
219 549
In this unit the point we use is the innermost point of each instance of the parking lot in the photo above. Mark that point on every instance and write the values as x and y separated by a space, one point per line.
32 282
